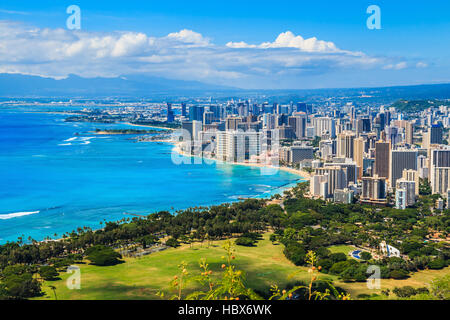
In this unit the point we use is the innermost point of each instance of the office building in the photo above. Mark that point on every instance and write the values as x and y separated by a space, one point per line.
400 160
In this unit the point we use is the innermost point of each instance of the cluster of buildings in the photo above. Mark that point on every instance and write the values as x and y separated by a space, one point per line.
374 154
245 132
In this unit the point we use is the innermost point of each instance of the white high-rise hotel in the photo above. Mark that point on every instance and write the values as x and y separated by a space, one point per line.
440 170
238 146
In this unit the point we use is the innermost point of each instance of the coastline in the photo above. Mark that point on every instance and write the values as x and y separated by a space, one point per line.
148 126
301 173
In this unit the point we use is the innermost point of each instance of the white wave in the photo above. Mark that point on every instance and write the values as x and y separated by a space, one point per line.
16 214
71 139
64 144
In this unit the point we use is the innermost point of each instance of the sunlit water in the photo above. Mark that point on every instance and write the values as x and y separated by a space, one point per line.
53 181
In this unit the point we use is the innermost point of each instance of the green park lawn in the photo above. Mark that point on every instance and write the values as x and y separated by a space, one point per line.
143 278
341 248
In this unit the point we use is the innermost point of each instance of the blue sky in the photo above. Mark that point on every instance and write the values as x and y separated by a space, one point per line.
412 47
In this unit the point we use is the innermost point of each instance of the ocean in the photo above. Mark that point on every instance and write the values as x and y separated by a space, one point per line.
57 176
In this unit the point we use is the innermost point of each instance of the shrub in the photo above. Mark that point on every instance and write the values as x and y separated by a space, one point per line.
103 256
172 242
338 256
340 266
244 241
437 264
296 253
405 292
48 273
366 255
398 274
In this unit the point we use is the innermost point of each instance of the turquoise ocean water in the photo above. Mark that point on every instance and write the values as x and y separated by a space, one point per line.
53 181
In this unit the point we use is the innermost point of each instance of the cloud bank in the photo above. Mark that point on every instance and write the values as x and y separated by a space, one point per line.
185 54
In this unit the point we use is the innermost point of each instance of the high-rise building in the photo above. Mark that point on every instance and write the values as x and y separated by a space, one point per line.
373 188
358 155
327 148
412 175
196 113
345 144
323 126
337 177
298 154
400 198
286 132
343 196
269 121
238 146
440 170
382 160
400 160
410 189
315 185
208 117
409 132
183 109
298 123
232 123
170 114
349 166
436 134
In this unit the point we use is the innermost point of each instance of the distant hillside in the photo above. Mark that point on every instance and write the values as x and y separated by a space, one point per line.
142 86
414 106
17 85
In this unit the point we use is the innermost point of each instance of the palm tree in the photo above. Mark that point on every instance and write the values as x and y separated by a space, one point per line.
53 288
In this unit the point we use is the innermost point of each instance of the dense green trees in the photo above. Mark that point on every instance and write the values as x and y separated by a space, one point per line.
48 273
304 224
17 282
101 255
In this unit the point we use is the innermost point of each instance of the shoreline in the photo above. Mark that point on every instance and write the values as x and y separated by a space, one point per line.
301 173
149 126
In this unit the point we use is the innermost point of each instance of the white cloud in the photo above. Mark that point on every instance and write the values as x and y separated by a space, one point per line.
289 40
396 66
421 65
185 54
189 37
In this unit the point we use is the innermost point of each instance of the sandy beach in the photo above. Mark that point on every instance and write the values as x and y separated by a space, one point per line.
300 173
148 126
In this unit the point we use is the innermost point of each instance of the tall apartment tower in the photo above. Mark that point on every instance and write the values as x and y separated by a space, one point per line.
409 132
232 123
345 144
382 161
373 188
337 177
298 123
170 114
412 175
324 125
358 155
183 109
401 160
440 170
436 134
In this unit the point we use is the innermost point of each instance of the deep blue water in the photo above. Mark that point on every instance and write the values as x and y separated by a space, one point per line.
52 181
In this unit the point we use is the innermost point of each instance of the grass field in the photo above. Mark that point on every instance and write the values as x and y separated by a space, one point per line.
142 278
341 248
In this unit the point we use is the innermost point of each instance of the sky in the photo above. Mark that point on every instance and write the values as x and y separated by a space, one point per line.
247 44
